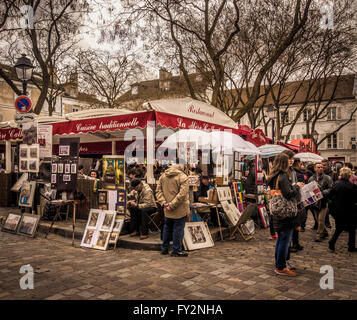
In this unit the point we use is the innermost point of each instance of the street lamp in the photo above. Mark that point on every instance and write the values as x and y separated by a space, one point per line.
24 69
315 136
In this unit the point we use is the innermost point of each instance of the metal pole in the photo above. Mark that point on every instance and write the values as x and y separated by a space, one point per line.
273 129
24 87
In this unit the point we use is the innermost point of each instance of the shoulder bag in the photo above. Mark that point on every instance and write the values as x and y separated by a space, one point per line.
280 207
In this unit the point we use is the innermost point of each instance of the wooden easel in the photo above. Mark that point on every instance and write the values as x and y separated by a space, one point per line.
238 228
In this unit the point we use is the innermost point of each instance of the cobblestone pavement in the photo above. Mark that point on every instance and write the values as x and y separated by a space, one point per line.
230 270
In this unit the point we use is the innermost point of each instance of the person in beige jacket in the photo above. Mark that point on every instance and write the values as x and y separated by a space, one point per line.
172 193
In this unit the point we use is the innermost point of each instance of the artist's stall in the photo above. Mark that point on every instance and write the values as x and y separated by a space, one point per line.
41 137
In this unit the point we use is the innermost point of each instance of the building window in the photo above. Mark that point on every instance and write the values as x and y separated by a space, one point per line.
284 117
332 141
331 113
307 114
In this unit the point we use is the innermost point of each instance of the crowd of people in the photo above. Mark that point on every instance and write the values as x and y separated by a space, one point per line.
339 190
285 175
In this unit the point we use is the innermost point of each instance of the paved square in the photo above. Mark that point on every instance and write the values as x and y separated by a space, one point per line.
230 270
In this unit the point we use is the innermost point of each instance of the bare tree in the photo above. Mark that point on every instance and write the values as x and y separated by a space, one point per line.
55 25
107 75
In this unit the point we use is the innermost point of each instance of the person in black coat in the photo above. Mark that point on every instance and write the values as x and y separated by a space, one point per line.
343 198
279 180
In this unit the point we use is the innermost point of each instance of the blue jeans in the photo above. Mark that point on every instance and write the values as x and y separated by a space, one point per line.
176 228
282 248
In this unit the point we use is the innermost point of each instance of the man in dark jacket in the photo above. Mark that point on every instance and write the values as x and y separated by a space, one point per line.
319 208
143 206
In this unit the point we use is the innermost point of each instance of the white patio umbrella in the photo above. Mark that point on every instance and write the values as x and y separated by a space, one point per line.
226 142
199 137
271 150
308 157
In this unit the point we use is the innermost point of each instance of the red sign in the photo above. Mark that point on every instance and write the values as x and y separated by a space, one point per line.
122 122
10 134
23 104
172 121
257 137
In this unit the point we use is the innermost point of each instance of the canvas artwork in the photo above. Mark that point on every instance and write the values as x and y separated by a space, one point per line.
103 207
93 219
248 228
12 222
64 150
259 177
23 152
102 197
194 180
108 221
118 225
53 178
33 166
27 194
60 168
54 167
33 152
28 225
66 177
88 238
23 165
67 168
264 216
73 168
197 236
102 240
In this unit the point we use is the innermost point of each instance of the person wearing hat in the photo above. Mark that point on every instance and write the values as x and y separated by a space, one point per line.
143 206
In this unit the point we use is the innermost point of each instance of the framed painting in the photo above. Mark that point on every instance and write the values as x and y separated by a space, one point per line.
102 197
248 228
102 239
64 150
264 216
88 237
197 236
28 225
108 221
27 194
93 219
12 222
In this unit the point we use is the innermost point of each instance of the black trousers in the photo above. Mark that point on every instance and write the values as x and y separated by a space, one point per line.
139 220
351 236
295 237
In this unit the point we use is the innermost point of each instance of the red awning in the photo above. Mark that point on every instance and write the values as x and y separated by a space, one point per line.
289 146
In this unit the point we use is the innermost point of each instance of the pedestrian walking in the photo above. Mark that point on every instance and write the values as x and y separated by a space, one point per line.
172 193
343 198
320 207
281 185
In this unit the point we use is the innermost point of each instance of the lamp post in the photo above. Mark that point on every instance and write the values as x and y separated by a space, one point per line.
24 69
315 136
